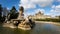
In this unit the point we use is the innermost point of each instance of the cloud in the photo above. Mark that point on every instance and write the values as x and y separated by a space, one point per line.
28 4
55 10
42 3
58 0
7 8
34 12
31 4
39 10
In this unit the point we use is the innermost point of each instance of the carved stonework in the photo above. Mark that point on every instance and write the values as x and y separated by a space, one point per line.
21 15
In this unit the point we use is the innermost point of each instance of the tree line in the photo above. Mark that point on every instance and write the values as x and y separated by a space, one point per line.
49 19
13 13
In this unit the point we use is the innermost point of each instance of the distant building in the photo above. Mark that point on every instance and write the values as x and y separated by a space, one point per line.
39 15
57 17
5 11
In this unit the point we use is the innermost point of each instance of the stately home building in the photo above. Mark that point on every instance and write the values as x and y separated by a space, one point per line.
39 15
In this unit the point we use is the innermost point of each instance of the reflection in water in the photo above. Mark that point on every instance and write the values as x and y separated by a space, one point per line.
39 29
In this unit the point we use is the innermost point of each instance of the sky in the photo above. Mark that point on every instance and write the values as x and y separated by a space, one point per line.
31 7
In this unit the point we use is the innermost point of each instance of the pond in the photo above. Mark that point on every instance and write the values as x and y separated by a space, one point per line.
40 28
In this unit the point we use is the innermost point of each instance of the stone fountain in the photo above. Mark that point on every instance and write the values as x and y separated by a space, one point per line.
20 22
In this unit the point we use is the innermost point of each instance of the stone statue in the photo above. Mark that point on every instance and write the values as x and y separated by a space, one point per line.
7 18
21 15
20 22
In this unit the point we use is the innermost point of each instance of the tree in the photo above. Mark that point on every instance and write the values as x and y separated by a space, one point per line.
13 13
1 13
1 10
13 10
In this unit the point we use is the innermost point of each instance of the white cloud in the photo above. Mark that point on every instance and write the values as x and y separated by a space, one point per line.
27 6
58 0
42 3
53 6
39 10
32 3
55 10
34 12
7 8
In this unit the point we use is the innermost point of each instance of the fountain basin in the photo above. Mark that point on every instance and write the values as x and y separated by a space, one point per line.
10 25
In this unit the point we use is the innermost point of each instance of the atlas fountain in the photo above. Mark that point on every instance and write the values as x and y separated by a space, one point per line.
20 22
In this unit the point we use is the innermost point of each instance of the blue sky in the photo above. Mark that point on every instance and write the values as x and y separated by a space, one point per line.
48 7
10 3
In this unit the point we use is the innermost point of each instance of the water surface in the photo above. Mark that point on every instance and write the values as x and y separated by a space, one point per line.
40 28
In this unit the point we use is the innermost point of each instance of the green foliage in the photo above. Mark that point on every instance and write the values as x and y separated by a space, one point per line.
0 12
14 16
0 7
13 10
13 13
48 19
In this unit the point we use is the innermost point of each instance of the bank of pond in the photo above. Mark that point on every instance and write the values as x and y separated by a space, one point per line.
48 19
